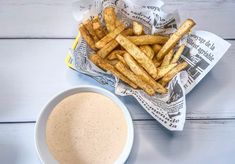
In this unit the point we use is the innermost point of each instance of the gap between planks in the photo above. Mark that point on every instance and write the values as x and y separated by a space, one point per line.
134 120
42 38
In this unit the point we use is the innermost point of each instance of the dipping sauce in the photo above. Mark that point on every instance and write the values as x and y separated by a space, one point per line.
85 128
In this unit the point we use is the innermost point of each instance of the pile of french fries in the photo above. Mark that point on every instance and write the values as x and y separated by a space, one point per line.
142 61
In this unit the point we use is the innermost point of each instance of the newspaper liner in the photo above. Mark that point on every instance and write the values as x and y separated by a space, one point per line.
203 51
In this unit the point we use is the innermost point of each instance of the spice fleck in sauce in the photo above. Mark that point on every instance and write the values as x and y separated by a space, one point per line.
86 128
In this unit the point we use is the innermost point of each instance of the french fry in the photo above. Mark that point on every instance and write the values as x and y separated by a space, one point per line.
183 29
156 62
127 32
112 62
178 53
110 18
88 25
148 51
134 78
172 73
121 58
110 36
98 29
140 60
161 71
167 59
139 71
105 30
87 37
156 48
147 39
137 28
108 67
114 53
103 52
138 55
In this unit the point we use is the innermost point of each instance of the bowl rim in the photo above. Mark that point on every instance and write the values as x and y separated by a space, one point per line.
39 133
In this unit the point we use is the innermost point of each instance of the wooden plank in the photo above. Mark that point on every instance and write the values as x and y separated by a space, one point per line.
210 15
200 142
26 18
47 18
33 70
17 144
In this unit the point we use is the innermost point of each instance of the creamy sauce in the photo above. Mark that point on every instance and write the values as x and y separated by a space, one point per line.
86 128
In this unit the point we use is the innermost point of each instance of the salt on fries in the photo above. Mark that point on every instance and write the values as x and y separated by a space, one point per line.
166 78
148 39
183 29
134 78
110 18
140 60
139 56
139 71
98 29
97 60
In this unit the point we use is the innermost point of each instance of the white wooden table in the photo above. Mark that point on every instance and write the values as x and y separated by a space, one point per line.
34 38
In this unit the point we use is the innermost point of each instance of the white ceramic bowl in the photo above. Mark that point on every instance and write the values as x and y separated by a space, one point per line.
40 129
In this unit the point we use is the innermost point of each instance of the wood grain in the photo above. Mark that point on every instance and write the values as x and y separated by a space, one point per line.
17 144
200 142
50 19
33 70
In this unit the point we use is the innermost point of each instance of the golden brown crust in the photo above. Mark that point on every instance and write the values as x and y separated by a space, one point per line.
138 55
89 27
114 53
178 54
108 67
139 71
110 18
148 51
103 52
173 72
167 59
127 32
134 78
156 48
110 36
98 29
163 70
183 29
148 39
87 37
